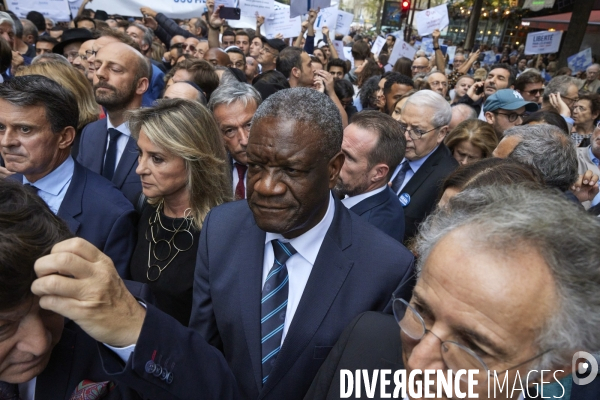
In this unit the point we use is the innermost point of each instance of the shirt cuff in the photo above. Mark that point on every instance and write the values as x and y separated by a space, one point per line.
568 120
123 352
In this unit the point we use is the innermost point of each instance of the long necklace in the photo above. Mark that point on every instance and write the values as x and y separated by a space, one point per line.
161 249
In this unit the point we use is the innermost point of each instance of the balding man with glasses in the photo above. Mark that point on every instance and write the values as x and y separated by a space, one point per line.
427 161
530 303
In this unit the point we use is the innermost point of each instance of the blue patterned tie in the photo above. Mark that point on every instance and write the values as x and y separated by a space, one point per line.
273 306
110 161
399 179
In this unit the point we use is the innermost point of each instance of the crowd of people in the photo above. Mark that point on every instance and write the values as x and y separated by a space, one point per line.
193 211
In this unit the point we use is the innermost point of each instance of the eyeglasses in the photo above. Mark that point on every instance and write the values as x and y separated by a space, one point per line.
177 46
264 49
455 355
90 53
568 98
438 83
536 92
580 109
189 47
512 117
419 67
415 134
72 55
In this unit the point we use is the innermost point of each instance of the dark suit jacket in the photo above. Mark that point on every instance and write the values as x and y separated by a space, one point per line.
372 341
97 212
424 188
92 148
384 211
75 358
357 269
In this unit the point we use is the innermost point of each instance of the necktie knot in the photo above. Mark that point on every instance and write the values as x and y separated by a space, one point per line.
114 134
282 251
9 391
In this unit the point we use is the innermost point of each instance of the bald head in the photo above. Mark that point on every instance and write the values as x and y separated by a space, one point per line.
183 90
420 66
217 56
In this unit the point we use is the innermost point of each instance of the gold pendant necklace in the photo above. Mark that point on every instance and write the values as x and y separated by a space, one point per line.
161 249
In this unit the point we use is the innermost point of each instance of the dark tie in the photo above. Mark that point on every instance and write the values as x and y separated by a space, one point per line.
9 391
240 189
399 179
110 161
273 306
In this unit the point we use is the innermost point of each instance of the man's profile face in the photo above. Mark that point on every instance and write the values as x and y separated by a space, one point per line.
289 179
29 146
497 313
251 69
355 174
306 73
234 123
27 336
137 35
396 91
337 72
255 47
497 79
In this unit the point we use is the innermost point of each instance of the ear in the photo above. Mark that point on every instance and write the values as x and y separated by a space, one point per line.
335 166
66 137
379 172
489 117
442 133
296 72
142 86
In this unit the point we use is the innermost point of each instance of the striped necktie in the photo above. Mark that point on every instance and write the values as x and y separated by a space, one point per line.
273 306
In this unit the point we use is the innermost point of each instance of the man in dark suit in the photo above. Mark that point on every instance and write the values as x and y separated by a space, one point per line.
427 162
504 318
233 107
373 147
107 147
275 342
37 120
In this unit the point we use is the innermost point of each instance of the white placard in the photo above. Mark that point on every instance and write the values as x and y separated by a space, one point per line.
580 61
171 8
429 20
344 21
376 48
327 17
398 34
347 52
298 8
339 47
427 45
282 23
74 5
226 3
542 42
450 52
316 4
262 7
401 49
58 10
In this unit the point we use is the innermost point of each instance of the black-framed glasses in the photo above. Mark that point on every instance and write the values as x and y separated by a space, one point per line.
568 98
177 46
415 134
512 117
90 53
536 92
456 356
273 53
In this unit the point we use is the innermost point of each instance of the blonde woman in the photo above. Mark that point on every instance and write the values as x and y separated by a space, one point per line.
184 172
471 140
74 81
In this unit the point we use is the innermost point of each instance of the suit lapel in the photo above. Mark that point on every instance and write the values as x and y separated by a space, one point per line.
97 138
325 281
53 382
71 204
426 169
126 163
371 202
250 254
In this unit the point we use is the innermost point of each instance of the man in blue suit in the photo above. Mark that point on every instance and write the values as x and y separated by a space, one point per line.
316 264
37 120
106 146
374 145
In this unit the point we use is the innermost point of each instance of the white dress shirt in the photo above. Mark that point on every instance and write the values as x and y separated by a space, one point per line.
414 167
121 140
300 264
27 389
350 202
53 187
236 178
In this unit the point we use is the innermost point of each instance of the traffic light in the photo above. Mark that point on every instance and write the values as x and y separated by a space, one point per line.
405 7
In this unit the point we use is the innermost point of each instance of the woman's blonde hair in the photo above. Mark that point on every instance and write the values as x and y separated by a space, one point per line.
188 130
72 80
479 133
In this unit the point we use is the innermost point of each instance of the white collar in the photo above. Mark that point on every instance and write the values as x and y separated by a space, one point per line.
350 202
123 128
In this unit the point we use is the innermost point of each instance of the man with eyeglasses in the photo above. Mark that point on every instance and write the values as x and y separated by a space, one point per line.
529 304
81 62
420 66
427 161
505 109
530 85
72 39
438 82
267 57
237 58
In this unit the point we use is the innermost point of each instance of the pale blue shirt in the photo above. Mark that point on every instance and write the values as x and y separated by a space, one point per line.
414 167
300 265
121 140
53 187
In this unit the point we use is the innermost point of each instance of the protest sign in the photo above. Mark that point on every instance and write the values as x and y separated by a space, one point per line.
58 10
580 61
225 3
339 47
171 8
262 7
298 8
542 42
344 21
280 22
327 17
427 45
429 20
451 51
74 5
316 4
401 49
376 48
398 34
347 51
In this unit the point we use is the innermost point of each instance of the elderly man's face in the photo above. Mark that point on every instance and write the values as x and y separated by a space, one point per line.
289 179
234 123
267 55
81 62
438 83
190 46
459 60
592 73
420 66
416 118
28 335
138 36
29 146
462 86
497 313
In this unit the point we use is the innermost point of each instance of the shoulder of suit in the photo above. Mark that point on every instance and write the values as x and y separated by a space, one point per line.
109 198
373 325
231 213
96 125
